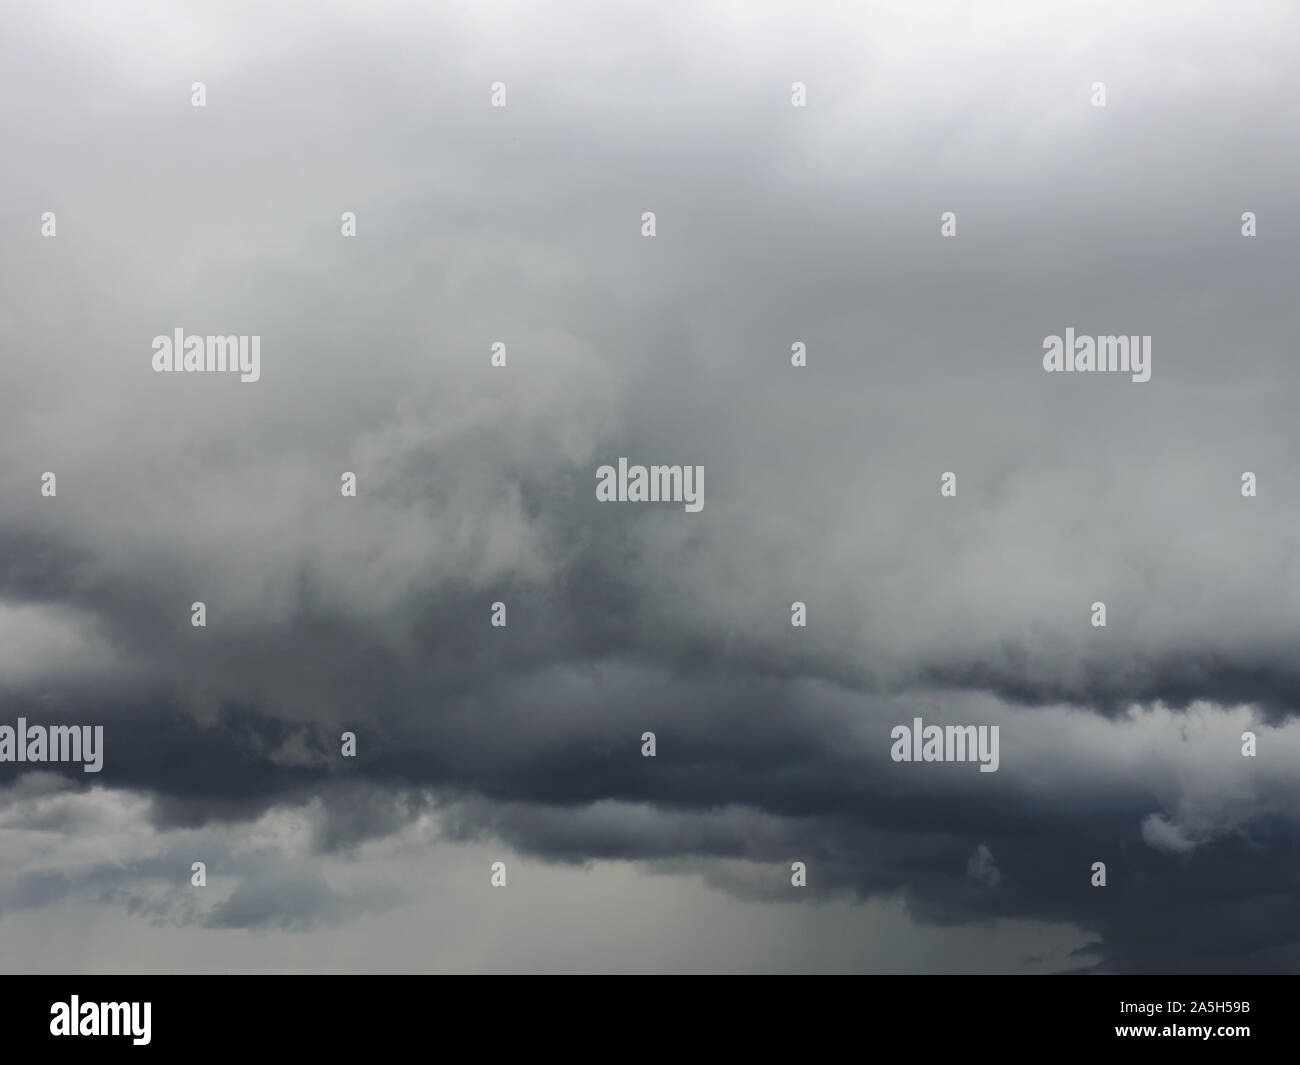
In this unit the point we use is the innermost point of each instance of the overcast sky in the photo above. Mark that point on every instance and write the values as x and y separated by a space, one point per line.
476 484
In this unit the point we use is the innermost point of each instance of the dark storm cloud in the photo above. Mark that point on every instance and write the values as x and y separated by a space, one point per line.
477 485
1174 680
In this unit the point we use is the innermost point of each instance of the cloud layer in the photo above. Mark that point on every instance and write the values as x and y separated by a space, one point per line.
476 484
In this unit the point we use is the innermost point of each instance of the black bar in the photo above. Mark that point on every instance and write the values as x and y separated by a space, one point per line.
866 1016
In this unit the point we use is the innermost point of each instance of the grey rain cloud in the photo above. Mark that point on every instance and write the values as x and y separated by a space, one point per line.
476 484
